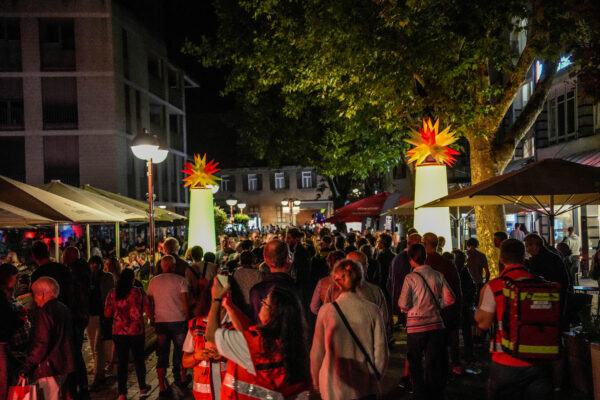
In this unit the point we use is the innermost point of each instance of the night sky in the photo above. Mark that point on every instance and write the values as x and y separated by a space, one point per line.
206 109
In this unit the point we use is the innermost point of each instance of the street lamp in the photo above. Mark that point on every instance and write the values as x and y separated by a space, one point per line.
231 201
149 148
241 206
293 205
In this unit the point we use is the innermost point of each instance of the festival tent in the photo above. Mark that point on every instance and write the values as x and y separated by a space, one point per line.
549 186
48 205
354 212
15 217
159 213
115 208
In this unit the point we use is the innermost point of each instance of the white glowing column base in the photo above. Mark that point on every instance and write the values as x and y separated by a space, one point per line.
202 220
431 183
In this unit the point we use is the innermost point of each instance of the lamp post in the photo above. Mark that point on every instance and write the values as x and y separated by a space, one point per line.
292 205
231 202
241 205
147 147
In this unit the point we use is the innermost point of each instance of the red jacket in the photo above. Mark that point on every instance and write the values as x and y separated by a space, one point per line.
269 381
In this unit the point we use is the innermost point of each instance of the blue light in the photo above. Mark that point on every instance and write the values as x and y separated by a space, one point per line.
565 61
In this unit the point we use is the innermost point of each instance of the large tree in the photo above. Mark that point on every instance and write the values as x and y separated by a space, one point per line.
366 71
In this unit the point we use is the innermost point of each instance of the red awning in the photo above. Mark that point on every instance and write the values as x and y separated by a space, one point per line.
354 212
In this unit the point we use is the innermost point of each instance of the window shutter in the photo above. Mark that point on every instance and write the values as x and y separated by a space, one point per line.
245 182
286 177
299 179
259 181
272 180
231 183
313 179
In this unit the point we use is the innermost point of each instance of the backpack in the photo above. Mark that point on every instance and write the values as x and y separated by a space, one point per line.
202 281
531 319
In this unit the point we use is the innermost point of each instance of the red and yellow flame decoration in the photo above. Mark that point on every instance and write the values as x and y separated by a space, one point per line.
428 142
200 173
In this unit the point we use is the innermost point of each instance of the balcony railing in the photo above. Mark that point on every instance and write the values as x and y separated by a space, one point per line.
54 59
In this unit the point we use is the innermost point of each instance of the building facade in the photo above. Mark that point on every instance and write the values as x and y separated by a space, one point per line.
78 80
262 190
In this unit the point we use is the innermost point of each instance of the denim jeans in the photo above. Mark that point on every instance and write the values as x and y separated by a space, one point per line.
506 382
135 343
428 363
165 333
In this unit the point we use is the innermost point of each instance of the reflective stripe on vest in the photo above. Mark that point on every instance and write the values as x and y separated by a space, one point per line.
531 349
250 390
201 387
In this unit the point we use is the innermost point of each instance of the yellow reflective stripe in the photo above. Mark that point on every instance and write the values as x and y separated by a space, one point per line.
540 296
524 348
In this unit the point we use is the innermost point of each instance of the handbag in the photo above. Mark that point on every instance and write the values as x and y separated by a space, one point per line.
356 340
22 391
437 303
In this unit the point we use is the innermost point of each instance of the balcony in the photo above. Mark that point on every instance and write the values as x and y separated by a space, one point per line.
176 97
60 116
157 86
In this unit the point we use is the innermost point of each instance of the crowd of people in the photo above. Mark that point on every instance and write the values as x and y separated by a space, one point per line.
283 315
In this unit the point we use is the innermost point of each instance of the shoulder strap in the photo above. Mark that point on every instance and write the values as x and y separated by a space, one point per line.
203 269
194 271
437 303
356 340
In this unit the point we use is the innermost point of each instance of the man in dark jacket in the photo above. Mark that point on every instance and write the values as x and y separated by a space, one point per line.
278 258
80 309
548 265
61 274
301 265
51 358
171 248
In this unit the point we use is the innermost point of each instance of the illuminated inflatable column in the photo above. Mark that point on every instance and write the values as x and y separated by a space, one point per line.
431 183
431 155
201 230
200 179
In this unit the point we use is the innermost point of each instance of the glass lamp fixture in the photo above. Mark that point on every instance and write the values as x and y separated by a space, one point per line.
161 153
231 202
144 146
241 205
297 202
284 202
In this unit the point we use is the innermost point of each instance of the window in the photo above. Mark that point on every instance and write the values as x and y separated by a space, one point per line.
279 180
57 44
281 218
307 179
61 159
252 183
155 75
12 157
11 104
125 52
59 103
226 183
562 117
10 44
127 101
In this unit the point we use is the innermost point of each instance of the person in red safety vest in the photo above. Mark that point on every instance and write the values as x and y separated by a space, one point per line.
510 377
209 366
266 361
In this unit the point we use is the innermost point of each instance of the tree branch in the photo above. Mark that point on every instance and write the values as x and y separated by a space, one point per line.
527 117
511 89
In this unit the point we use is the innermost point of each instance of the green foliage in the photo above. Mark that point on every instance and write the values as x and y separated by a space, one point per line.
339 84
220 221
241 219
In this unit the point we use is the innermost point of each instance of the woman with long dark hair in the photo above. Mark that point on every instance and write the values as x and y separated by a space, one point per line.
267 360
125 305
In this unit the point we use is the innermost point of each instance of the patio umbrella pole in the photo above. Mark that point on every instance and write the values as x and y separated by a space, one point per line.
117 240
87 240
551 215
56 242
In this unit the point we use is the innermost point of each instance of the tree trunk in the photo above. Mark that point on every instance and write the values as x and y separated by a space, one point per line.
489 219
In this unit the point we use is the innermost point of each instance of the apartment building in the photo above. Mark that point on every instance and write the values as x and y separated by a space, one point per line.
262 190
78 80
